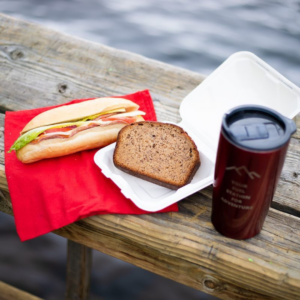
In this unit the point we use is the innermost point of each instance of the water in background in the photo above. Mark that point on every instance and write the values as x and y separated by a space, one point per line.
196 35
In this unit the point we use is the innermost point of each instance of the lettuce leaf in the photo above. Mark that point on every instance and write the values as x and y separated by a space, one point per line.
30 135
104 113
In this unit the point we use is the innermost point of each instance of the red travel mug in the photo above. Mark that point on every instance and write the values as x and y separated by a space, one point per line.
251 152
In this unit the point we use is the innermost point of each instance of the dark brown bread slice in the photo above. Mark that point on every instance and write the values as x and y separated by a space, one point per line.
157 152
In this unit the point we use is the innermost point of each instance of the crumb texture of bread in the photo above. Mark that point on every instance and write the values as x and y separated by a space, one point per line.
161 153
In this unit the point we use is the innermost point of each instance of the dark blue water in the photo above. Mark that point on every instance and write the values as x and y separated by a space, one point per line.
196 35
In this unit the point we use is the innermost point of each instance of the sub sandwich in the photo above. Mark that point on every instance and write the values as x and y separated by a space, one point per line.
75 127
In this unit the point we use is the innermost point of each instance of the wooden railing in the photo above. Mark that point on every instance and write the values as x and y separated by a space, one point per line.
41 67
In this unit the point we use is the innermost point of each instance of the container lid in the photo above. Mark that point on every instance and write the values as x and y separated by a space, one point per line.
243 79
257 128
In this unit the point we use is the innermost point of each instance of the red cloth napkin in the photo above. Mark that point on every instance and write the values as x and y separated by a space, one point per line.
53 193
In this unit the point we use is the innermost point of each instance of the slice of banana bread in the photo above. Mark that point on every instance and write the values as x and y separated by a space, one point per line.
157 152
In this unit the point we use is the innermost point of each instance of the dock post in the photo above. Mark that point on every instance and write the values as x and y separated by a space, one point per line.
79 265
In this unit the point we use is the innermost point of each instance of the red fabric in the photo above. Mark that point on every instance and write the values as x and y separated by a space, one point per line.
53 193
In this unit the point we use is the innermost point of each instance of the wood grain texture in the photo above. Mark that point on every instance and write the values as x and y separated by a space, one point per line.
185 247
47 68
79 266
287 196
7 292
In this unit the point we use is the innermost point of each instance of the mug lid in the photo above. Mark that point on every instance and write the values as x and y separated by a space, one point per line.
257 127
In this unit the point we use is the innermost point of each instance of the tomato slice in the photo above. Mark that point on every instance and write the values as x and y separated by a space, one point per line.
62 129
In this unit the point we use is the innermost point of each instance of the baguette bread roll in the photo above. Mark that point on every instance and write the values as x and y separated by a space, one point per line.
161 153
78 111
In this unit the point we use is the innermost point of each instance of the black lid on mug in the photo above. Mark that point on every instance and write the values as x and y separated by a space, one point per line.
257 127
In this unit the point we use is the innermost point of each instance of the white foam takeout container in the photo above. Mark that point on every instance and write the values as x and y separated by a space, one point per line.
242 79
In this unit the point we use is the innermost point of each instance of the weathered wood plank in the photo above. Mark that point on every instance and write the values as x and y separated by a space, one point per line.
182 246
287 196
297 121
5 203
79 266
7 292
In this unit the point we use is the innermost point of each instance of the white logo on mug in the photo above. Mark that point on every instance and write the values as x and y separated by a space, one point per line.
252 175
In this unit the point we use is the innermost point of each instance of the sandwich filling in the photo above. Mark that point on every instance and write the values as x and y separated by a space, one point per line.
67 130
